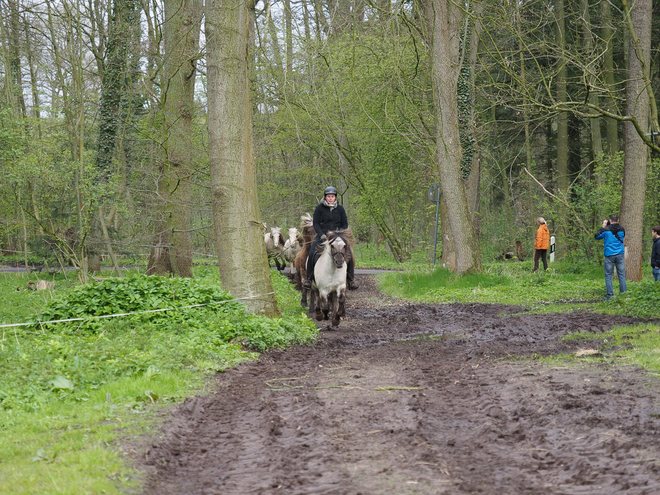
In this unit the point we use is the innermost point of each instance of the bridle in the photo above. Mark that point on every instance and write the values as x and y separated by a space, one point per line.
340 256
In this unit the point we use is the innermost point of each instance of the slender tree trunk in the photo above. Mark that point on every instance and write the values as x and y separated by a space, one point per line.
13 73
562 117
443 17
288 38
594 124
243 263
612 130
523 90
473 181
636 152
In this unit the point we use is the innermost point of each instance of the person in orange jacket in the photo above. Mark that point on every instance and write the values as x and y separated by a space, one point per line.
542 244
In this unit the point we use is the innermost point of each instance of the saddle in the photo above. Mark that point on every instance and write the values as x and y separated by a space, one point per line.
315 257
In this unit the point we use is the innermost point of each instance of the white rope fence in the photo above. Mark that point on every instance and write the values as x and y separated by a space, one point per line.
38 322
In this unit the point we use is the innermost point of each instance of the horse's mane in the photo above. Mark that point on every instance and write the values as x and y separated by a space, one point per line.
307 228
346 234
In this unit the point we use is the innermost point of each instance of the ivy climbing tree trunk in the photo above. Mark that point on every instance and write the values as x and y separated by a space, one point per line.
443 18
243 263
115 86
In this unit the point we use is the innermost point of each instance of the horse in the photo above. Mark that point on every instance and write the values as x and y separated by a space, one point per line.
300 262
274 247
329 286
292 247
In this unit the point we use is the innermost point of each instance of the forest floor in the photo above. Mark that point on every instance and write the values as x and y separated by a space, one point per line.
420 399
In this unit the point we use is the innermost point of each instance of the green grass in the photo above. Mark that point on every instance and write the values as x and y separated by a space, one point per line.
70 391
563 285
369 255
631 344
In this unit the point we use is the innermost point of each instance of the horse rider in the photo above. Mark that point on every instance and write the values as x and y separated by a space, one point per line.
329 215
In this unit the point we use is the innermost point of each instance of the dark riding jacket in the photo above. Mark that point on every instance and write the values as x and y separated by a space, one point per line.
655 253
326 219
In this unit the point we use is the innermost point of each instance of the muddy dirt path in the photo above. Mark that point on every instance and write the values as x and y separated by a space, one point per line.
419 399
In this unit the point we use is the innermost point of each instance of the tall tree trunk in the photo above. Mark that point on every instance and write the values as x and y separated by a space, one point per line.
562 117
523 89
443 18
473 181
243 262
13 73
612 130
181 38
288 38
115 85
636 152
594 124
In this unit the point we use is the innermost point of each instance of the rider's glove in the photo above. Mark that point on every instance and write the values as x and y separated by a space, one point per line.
324 238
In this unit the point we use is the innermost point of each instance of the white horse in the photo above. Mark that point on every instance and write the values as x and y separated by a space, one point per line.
329 286
275 246
292 247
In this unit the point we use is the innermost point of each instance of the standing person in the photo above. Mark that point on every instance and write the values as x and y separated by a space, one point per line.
655 253
542 244
612 234
329 215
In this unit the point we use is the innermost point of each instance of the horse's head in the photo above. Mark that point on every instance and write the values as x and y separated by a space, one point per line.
293 235
338 248
276 235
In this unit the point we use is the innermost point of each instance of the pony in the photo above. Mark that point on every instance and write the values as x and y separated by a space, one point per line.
300 262
329 286
292 247
275 246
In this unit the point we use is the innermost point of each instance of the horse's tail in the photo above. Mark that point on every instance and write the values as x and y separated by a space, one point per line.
307 228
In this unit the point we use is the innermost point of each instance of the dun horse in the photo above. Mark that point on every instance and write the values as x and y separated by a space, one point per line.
275 246
300 263
329 286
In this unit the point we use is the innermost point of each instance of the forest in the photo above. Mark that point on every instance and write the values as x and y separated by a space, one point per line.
144 129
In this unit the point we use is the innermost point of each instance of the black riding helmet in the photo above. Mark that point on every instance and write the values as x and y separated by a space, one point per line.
330 190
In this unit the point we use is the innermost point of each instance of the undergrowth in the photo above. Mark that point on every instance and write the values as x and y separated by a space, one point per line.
70 388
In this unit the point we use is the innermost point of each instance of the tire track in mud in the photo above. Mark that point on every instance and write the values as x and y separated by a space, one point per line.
423 399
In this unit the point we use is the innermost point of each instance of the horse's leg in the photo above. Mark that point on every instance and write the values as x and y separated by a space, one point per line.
325 306
312 301
315 305
303 299
335 310
342 303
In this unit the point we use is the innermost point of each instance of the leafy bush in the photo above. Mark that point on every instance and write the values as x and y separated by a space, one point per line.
137 293
86 355
641 300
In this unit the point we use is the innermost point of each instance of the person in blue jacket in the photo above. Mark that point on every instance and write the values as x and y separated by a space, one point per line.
329 215
613 234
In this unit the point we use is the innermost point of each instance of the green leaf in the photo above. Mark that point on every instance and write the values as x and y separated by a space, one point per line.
61 383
